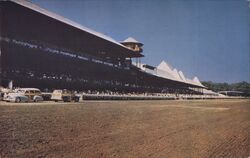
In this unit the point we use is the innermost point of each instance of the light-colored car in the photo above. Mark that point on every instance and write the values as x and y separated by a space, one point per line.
64 95
15 97
24 95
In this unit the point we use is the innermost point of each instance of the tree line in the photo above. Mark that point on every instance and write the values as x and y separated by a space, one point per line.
240 86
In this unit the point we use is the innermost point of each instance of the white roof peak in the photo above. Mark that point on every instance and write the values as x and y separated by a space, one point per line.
182 76
196 80
176 74
130 40
164 66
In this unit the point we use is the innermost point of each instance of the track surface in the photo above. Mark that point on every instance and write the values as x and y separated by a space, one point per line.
205 128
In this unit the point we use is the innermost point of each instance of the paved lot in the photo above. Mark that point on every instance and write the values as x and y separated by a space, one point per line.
201 128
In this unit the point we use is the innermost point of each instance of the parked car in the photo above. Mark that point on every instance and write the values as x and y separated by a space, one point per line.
46 96
64 95
24 95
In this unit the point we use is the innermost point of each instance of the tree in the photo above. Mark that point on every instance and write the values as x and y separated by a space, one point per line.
240 86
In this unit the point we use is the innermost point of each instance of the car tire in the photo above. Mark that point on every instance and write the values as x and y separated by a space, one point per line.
18 100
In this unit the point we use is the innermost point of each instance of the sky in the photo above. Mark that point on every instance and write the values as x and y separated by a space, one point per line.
204 38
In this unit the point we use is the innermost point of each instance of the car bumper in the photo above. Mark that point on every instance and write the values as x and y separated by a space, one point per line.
10 99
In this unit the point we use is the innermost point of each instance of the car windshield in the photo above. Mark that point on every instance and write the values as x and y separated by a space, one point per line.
57 91
65 91
36 91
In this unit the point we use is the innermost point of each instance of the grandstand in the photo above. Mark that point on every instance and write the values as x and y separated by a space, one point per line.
44 50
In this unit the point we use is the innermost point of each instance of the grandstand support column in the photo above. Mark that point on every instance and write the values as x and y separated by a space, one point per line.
138 62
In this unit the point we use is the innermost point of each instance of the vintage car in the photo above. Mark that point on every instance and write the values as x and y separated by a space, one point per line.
64 95
24 95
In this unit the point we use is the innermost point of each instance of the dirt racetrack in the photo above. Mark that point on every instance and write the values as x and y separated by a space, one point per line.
202 128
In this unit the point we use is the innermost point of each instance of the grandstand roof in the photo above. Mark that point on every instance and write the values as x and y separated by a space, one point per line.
164 66
197 81
183 78
164 70
33 18
176 74
132 40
